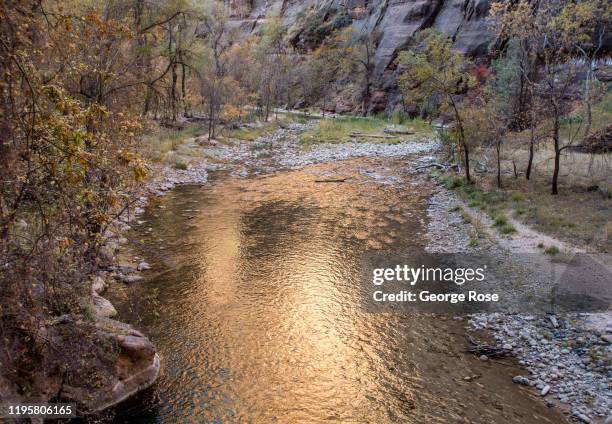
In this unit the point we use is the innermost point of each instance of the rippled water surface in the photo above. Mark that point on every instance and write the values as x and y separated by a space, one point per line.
254 305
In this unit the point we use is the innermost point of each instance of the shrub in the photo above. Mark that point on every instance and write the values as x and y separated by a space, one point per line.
451 182
551 250
507 229
179 164
500 220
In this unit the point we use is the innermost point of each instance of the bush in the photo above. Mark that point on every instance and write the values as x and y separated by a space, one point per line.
551 250
179 164
451 182
507 229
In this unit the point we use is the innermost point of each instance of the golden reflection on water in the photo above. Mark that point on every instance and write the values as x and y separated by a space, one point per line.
260 308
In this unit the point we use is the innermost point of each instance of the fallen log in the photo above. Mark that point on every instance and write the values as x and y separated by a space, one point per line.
485 349
400 132
386 137
437 165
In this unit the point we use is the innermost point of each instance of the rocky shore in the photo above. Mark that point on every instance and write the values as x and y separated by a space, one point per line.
567 357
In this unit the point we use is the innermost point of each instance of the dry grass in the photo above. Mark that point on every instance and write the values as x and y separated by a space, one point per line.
576 215
338 130
164 145
252 132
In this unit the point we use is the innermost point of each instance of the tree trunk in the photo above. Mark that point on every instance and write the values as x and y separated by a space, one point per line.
498 148
531 146
210 117
466 150
555 179
466 155
183 90
173 93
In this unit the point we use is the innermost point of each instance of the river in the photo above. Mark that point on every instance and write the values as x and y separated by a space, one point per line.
254 305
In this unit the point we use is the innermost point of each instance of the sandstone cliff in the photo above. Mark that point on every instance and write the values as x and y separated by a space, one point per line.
396 21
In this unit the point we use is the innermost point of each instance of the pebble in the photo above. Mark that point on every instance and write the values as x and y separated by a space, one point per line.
571 362
142 266
519 379
583 418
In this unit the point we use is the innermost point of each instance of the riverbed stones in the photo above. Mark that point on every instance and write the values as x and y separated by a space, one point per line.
98 285
519 379
143 266
103 307
130 278
573 365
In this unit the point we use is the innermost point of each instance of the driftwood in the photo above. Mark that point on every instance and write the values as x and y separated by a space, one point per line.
401 132
490 351
437 165
354 134
330 181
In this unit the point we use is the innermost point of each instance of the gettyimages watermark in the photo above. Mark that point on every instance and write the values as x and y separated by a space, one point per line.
469 283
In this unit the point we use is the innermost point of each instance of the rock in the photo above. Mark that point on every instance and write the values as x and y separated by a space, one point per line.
545 390
204 141
107 253
608 420
142 266
484 358
137 347
553 321
129 279
519 379
607 338
98 285
582 418
343 106
103 307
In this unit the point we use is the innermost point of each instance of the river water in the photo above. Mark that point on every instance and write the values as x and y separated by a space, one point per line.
254 305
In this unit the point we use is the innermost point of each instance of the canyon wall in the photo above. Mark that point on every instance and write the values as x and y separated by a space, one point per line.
465 21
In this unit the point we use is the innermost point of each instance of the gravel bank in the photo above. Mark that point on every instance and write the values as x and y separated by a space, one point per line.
567 357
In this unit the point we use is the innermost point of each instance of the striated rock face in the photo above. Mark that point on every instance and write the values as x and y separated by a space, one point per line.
396 20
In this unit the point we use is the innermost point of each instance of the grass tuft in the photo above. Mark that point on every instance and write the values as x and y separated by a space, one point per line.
179 164
551 250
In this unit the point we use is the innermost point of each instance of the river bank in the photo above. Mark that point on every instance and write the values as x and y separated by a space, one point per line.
567 357
447 229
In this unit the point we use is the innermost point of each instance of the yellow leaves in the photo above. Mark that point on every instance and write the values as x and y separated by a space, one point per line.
230 113
112 199
125 157
96 110
437 70
64 243
140 172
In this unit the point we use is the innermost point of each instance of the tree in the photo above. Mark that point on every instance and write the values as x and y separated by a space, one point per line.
356 52
214 77
436 70
556 31
69 164
513 94
274 69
